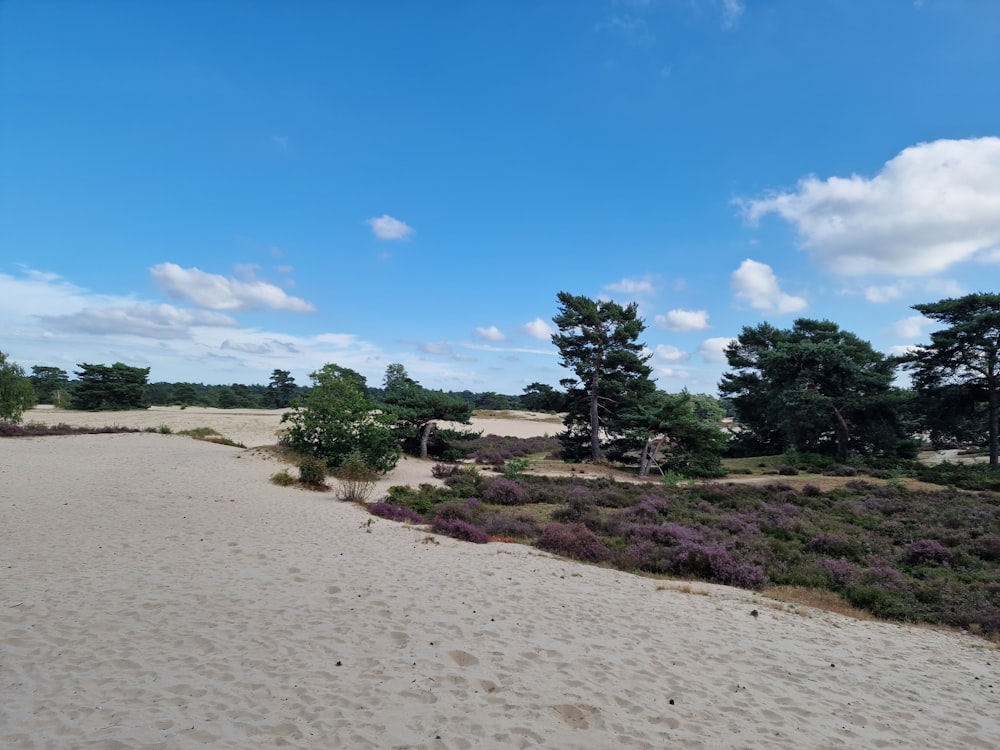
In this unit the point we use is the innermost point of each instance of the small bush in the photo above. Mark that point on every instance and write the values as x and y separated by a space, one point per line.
573 540
355 480
165 429
283 478
515 468
395 512
459 529
503 491
443 471
312 472
786 470
927 551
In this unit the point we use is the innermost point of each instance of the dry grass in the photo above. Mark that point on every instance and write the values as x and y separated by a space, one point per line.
827 601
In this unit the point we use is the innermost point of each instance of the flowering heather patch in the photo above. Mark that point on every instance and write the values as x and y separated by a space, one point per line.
494 450
927 551
458 529
395 512
36 429
521 526
841 572
836 545
573 540
503 491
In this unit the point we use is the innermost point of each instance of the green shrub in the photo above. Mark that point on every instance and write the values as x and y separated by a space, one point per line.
283 478
312 472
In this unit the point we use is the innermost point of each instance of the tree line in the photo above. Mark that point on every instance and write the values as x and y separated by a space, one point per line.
811 388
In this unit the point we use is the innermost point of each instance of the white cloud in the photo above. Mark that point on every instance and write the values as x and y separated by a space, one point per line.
713 350
634 287
387 228
901 350
216 292
671 372
667 353
490 334
538 329
683 320
152 321
883 293
911 327
756 284
932 206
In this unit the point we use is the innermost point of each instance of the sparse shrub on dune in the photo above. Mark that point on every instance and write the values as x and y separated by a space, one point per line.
312 473
283 478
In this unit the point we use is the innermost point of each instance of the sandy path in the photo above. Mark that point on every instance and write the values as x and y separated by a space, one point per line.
159 592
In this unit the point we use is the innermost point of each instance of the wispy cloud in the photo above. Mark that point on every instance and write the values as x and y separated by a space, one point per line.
490 334
756 284
932 206
732 12
683 320
645 286
665 353
152 321
538 329
217 292
386 227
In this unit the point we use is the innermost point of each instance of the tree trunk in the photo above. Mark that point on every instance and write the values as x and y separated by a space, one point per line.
595 423
425 436
843 436
994 414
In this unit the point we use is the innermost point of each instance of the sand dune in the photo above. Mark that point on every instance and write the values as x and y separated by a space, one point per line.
159 592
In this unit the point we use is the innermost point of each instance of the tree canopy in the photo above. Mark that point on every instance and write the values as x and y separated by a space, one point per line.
16 393
114 387
960 368
417 410
813 387
338 421
598 343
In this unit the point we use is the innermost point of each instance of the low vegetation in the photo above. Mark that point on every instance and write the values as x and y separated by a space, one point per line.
908 555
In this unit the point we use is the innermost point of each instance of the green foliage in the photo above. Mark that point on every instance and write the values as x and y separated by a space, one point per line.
677 439
50 383
312 472
960 369
114 387
417 410
337 420
598 343
281 391
515 468
283 478
813 388
16 393
542 397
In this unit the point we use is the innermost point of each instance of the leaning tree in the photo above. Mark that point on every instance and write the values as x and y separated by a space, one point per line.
598 342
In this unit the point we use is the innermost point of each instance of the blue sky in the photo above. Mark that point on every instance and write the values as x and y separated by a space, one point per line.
218 189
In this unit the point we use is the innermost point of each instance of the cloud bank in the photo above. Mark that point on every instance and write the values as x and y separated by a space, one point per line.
215 292
931 206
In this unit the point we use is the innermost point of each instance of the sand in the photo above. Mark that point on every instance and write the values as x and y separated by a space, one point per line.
160 592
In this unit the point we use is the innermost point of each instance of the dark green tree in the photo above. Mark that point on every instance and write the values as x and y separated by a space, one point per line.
677 439
338 421
960 368
813 387
16 392
114 387
282 389
598 342
542 397
50 383
418 410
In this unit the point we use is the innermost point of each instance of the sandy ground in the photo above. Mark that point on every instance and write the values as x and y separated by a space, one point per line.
160 592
